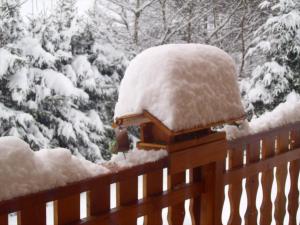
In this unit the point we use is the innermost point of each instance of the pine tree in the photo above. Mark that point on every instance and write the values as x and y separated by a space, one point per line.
277 46
65 13
11 23
52 98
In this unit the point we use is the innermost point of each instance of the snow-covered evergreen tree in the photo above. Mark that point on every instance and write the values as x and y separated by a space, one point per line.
11 24
65 13
51 96
277 48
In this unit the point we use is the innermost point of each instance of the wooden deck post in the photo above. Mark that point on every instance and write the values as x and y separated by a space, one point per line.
212 198
206 162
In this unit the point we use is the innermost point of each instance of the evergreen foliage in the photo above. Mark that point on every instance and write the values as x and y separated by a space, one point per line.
277 47
52 96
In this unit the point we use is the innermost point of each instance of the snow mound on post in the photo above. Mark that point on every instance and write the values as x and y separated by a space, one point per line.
23 171
183 85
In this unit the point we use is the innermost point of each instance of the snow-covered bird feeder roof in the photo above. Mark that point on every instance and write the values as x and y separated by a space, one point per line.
180 86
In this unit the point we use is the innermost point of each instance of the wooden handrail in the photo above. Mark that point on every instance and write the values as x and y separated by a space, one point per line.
117 175
263 134
205 158
145 206
263 165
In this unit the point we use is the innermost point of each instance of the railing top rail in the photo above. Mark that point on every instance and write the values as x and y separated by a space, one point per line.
116 175
264 134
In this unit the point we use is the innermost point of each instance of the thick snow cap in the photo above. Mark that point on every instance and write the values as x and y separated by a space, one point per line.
183 85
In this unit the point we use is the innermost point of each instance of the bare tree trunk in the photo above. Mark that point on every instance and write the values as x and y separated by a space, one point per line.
215 14
243 42
137 15
189 26
163 13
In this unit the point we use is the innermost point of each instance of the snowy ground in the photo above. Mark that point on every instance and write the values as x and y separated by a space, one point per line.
187 221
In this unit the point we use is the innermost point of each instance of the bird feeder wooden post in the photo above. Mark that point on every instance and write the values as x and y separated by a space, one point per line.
184 90
199 150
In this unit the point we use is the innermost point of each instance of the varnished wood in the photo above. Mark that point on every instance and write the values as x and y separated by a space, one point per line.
180 132
195 203
179 146
150 146
206 190
197 156
176 212
253 152
268 150
118 174
293 196
211 199
146 117
220 192
98 200
67 210
264 134
127 193
261 166
281 174
35 214
3 220
235 188
131 120
293 203
147 205
153 186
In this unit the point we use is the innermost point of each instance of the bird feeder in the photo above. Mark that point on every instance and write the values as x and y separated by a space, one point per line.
176 93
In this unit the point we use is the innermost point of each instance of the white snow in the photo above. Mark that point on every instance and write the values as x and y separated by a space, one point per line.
97 123
24 171
137 157
6 61
183 85
285 113
33 49
61 84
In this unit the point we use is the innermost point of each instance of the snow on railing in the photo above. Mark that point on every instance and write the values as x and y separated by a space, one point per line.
245 158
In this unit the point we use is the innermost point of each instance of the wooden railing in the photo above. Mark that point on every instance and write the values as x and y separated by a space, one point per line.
247 157
261 153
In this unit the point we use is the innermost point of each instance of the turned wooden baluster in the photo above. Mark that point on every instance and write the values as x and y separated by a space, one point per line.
195 203
253 152
293 196
268 150
236 155
281 174
153 185
67 210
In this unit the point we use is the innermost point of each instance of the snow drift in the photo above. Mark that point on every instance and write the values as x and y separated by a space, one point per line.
285 113
23 171
183 85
